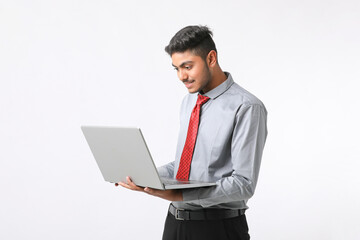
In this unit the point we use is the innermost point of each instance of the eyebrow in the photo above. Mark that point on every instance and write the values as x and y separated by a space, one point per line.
182 64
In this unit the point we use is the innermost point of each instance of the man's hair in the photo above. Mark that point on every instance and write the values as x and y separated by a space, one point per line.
197 39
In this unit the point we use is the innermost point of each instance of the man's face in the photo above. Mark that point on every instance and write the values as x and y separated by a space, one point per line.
192 70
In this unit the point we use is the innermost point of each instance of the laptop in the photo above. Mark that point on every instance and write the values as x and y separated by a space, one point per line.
121 152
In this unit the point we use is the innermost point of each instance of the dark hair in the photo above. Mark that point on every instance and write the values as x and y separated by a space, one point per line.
197 39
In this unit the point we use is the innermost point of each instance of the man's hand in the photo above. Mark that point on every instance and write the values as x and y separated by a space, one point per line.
171 195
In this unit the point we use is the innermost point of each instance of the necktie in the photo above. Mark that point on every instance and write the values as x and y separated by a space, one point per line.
186 156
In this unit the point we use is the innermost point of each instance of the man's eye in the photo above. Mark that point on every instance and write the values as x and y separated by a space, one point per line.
188 67
176 69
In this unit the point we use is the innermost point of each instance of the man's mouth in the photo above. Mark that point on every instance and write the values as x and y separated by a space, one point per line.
189 83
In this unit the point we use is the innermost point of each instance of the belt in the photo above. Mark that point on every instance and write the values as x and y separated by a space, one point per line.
205 214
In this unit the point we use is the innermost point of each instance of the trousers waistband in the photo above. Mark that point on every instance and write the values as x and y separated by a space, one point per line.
205 214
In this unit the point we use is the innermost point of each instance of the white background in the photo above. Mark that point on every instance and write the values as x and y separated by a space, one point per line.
67 63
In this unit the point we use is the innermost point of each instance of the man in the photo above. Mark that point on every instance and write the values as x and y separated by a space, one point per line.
222 136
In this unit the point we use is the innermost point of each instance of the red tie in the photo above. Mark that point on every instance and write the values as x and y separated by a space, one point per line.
185 161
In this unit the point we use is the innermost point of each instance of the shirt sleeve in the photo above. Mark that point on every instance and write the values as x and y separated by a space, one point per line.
247 145
167 170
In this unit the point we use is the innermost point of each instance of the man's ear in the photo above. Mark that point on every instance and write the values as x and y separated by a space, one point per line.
211 58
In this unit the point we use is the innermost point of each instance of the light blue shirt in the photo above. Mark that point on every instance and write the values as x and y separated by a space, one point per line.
228 150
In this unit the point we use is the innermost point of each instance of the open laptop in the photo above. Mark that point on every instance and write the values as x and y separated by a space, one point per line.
121 152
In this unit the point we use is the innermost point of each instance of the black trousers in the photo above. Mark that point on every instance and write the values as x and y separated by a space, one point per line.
222 229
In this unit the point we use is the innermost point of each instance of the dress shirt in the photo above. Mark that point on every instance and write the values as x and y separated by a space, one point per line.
228 149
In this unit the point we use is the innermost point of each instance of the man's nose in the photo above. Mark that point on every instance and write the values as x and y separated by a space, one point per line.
182 75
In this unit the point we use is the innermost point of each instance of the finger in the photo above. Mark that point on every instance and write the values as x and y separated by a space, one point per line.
124 185
133 186
131 183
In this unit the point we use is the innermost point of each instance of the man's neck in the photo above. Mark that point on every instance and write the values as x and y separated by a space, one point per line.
218 78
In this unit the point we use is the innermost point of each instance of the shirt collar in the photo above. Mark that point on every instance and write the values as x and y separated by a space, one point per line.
214 93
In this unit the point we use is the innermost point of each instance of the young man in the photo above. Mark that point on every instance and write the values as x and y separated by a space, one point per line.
222 136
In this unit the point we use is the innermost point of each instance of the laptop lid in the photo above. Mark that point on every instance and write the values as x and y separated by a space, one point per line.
121 152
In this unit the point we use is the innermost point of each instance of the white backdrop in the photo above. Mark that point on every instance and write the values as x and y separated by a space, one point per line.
67 63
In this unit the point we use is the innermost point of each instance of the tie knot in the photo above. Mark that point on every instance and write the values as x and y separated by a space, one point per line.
201 99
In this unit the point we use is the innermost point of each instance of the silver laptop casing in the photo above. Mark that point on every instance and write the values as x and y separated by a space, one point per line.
121 152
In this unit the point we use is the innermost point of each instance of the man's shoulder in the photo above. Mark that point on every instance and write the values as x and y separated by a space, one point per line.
241 96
